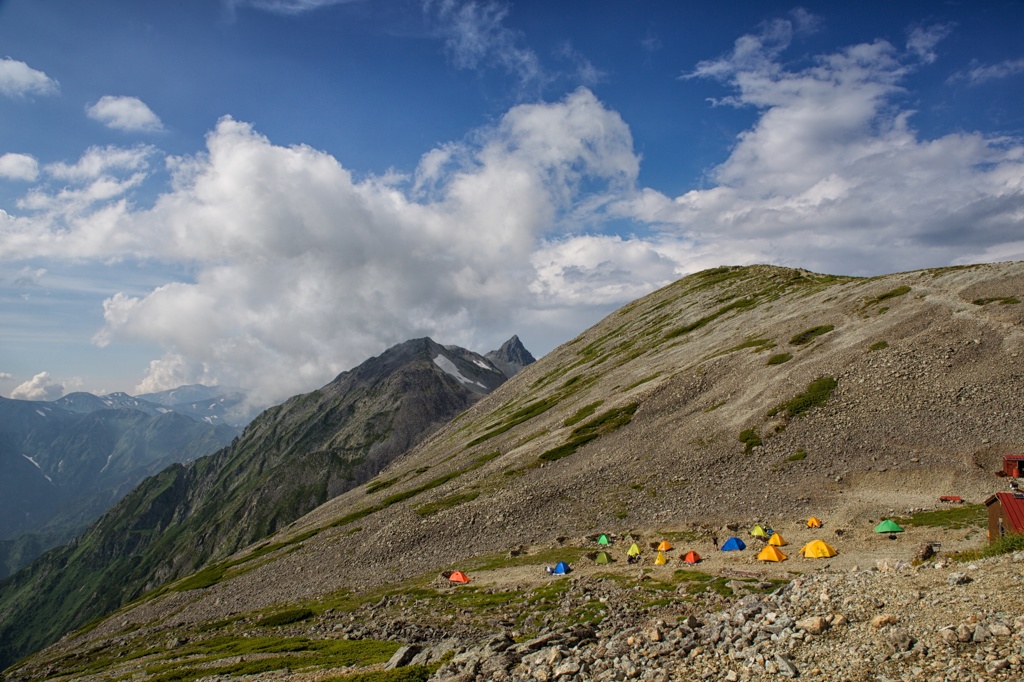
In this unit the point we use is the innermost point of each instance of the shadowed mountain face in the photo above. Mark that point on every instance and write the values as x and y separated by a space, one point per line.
61 468
290 459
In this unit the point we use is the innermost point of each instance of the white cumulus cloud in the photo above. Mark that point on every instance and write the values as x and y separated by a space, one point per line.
19 167
833 175
40 387
18 79
129 114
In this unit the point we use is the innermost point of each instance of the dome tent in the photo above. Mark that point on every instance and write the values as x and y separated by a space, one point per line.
733 544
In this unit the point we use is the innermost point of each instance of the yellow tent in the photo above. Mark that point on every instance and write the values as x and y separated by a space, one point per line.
634 550
660 560
758 532
777 540
771 553
814 522
664 546
818 549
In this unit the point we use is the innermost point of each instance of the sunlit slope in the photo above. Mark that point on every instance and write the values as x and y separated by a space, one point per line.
733 394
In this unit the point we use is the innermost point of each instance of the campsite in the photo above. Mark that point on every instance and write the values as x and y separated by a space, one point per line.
857 546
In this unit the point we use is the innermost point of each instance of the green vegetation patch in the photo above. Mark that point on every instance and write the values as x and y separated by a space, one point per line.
759 344
808 335
898 291
642 381
410 673
524 414
413 492
738 304
878 345
1008 544
446 503
817 394
960 516
750 440
292 653
1001 300
592 430
374 486
583 413
779 358
797 456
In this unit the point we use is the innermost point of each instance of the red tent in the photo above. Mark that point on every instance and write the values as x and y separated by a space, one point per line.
458 577
691 557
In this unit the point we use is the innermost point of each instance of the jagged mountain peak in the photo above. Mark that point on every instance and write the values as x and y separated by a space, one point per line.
511 357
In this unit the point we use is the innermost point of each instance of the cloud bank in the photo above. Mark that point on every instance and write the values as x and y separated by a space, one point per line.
302 268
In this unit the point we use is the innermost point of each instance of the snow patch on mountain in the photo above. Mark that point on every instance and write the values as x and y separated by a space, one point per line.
36 464
449 368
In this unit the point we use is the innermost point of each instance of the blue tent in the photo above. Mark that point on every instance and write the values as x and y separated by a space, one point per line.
733 543
561 568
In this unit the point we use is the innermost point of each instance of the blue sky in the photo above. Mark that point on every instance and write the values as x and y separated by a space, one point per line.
264 193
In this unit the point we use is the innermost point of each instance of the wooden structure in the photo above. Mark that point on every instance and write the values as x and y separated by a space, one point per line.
1005 515
1013 466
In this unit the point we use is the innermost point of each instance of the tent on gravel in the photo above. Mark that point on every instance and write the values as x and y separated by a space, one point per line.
771 553
733 544
603 558
661 559
777 540
888 526
818 549
692 557
458 577
814 522
561 568
759 532
602 539
665 546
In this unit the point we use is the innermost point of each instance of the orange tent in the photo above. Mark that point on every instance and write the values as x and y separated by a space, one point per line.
691 557
777 540
771 553
814 522
664 546
458 577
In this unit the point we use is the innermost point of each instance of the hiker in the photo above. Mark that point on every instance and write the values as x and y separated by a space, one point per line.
714 541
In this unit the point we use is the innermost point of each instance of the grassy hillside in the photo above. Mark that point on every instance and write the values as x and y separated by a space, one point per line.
734 396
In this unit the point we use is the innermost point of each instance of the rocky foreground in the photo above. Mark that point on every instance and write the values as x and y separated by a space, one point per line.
939 621
935 622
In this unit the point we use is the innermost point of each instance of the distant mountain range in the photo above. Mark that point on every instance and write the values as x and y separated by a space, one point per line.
290 459
213 405
64 463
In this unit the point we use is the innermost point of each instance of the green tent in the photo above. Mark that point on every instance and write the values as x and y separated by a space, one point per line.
758 532
602 539
888 526
602 558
